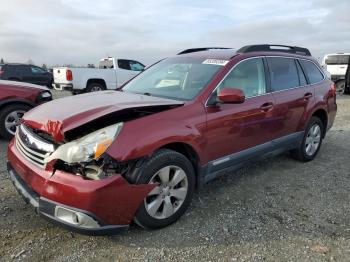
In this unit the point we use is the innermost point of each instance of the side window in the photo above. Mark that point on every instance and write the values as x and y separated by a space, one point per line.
283 73
312 71
37 70
22 70
136 66
249 76
302 79
124 64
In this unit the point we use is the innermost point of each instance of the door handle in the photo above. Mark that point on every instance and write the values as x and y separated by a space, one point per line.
266 107
307 96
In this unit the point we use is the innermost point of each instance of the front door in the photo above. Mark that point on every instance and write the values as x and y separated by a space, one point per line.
237 132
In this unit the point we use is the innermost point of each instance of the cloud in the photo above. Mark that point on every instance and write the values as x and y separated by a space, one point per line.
83 31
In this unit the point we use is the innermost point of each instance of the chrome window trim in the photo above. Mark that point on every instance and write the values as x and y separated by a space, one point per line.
272 92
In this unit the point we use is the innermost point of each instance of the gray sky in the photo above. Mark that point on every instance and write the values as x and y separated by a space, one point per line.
83 31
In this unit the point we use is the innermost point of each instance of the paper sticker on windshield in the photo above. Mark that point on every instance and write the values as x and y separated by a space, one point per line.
215 62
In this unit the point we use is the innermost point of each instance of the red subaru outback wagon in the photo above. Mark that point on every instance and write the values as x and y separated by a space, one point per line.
96 162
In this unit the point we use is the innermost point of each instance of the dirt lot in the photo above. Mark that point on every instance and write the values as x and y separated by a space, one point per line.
275 210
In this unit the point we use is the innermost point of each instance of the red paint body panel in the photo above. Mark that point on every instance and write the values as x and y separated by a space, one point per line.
234 127
56 119
109 199
21 91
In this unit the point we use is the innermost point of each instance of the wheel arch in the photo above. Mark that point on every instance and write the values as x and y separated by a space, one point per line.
322 115
8 102
96 80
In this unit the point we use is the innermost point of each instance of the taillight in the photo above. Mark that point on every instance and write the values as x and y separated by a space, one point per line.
69 75
334 88
1 72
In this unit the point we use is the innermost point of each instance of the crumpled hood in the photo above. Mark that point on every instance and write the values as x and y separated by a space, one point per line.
61 115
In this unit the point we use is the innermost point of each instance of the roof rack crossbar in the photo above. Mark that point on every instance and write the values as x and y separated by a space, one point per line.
193 50
275 48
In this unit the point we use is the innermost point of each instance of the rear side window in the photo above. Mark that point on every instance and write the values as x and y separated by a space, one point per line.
312 72
283 73
22 70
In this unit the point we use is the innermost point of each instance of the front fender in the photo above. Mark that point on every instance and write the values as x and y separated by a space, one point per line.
142 137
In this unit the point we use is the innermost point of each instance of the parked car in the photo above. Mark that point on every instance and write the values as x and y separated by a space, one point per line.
336 65
140 152
110 74
26 73
15 99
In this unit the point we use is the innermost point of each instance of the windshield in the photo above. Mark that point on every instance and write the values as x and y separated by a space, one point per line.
180 78
337 60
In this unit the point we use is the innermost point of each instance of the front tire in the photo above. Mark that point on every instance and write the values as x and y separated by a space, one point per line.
10 118
311 142
167 202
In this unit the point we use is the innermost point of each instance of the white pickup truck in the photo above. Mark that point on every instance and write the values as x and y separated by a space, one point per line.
336 65
110 74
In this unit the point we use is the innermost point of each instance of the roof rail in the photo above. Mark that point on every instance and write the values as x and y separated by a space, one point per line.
275 48
192 50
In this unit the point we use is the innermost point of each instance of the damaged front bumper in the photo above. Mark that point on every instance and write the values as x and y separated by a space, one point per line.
74 219
94 207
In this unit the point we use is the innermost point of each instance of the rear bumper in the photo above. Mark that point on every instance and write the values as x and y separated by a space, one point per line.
110 202
67 87
48 209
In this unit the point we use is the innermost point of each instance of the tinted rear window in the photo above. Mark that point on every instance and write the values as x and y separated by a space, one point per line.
283 72
312 71
337 60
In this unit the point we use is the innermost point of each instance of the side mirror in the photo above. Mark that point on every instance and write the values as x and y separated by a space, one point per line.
231 95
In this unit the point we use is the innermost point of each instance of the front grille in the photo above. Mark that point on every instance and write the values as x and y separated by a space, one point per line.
32 147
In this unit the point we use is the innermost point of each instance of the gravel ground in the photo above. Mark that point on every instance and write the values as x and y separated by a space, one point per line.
274 210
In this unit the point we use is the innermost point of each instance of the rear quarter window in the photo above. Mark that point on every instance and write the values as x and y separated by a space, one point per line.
313 73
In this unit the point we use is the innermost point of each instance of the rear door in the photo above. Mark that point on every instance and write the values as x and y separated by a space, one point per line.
237 132
293 96
24 73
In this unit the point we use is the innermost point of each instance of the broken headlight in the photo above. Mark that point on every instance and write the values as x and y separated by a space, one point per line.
87 148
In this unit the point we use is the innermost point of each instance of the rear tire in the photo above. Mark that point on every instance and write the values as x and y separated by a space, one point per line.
94 87
10 117
311 142
167 202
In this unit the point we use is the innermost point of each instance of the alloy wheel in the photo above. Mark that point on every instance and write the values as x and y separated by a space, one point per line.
166 199
313 140
12 120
